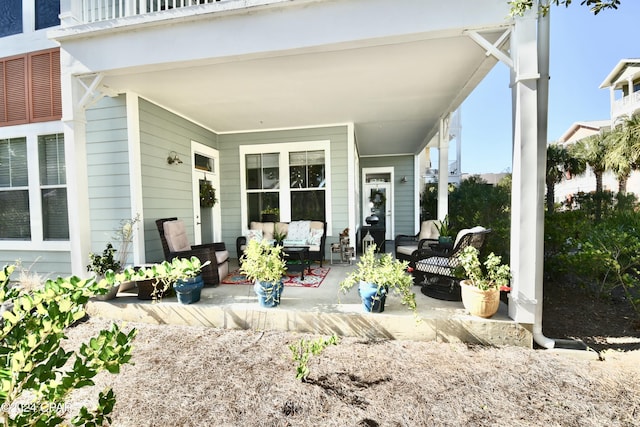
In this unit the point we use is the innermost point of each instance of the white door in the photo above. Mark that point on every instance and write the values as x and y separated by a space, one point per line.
378 201
206 176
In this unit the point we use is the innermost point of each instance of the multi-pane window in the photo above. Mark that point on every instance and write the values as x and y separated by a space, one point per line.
53 187
47 13
19 198
288 178
307 182
14 190
10 17
263 177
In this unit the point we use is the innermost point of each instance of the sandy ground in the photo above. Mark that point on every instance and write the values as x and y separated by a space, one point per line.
196 376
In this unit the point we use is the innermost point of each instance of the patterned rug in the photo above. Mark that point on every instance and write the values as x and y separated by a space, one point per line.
311 280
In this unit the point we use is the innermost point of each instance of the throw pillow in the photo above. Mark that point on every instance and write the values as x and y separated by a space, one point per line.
315 236
299 230
254 235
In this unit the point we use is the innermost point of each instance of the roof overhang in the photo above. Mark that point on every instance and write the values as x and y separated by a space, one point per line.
393 83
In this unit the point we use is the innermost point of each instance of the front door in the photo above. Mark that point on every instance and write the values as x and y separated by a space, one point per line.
206 200
377 197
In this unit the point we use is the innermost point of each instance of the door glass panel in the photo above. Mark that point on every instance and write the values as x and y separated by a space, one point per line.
378 204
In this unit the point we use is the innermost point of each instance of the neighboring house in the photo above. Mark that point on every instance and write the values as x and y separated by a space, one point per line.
623 83
304 104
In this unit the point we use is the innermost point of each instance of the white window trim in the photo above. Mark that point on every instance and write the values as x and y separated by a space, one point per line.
285 202
31 132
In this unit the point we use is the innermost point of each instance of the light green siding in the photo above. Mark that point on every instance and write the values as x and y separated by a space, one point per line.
230 173
167 189
406 202
107 169
47 264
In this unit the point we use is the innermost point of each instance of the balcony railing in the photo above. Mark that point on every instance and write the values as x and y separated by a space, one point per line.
101 10
627 105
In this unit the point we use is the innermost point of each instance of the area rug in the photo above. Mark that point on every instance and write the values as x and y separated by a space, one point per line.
311 280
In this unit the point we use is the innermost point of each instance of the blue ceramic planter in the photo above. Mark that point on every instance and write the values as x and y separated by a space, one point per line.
268 293
373 299
188 290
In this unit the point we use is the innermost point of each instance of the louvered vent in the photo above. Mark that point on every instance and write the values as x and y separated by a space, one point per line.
13 91
30 88
45 86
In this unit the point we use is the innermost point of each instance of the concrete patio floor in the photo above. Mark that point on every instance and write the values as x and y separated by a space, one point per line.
323 310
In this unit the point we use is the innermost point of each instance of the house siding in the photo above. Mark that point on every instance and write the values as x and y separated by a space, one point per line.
230 173
46 264
108 176
167 189
404 199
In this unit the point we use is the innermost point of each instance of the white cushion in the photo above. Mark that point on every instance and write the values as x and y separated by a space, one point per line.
428 230
254 235
407 250
299 230
465 231
315 236
176 235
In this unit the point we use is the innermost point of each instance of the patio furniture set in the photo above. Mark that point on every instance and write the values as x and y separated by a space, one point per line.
433 262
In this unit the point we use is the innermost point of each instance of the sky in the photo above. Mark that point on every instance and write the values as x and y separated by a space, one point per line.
584 49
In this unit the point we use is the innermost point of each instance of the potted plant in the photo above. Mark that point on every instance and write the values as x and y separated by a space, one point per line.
376 277
279 234
270 214
189 283
264 264
445 237
481 290
101 265
181 274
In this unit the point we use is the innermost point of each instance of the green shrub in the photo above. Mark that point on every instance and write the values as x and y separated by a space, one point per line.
302 351
36 374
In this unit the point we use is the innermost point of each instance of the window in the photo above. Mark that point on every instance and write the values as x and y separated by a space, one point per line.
47 13
263 177
10 17
307 180
53 187
14 190
291 177
24 203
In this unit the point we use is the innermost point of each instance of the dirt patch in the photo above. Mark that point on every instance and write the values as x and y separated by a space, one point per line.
195 376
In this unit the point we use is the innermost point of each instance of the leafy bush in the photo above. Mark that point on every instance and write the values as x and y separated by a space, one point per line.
36 374
302 351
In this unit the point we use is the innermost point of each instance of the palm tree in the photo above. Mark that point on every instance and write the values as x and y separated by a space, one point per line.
559 163
623 156
592 150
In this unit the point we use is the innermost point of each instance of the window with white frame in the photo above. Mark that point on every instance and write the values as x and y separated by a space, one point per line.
19 198
53 187
14 190
291 178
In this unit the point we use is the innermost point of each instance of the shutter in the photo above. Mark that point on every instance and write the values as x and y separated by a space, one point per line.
44 76
13 91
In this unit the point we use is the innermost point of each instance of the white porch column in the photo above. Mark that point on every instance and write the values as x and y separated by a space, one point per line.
74 122
443 168
529 156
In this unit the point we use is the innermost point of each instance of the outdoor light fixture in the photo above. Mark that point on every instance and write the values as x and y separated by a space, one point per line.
403 179
173 158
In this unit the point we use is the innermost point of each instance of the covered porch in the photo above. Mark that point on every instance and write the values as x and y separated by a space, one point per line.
323 310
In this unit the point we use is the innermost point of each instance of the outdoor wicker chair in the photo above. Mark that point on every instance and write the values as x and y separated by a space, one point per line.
406 245
176 244
434 268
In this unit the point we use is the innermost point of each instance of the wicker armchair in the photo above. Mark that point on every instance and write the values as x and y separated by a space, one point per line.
434 269
406 245
175 244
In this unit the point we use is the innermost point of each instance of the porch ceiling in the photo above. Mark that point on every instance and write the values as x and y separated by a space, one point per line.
394 91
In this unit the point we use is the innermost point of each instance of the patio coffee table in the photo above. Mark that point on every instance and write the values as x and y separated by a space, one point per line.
297 253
